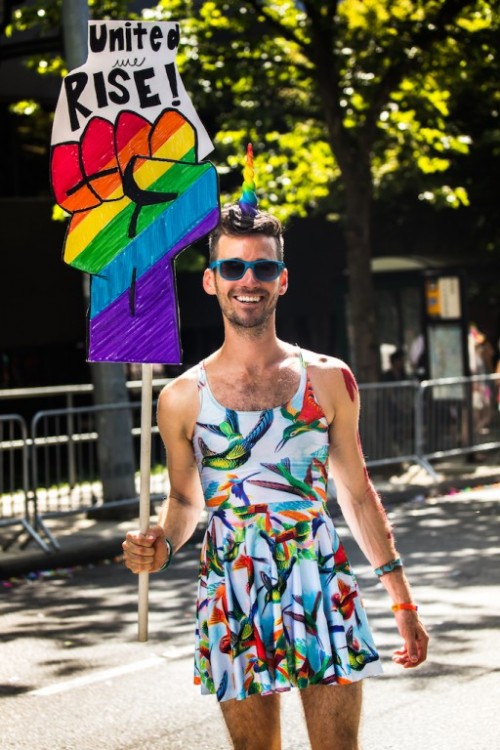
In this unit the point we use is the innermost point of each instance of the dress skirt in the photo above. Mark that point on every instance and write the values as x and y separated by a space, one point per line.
278 603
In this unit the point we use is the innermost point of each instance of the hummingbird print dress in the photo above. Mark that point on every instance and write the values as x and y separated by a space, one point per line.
278 603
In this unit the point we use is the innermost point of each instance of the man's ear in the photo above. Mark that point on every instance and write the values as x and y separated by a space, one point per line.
284 281
209 281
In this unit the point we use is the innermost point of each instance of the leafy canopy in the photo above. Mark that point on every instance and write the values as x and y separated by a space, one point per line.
389 77
263 71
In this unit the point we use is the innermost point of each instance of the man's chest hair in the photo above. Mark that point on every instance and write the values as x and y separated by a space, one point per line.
257 391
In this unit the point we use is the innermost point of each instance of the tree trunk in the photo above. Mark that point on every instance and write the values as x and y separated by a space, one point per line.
352 153
362 322
354 163
115 450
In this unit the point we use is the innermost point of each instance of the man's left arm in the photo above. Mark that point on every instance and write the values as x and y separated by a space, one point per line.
363 509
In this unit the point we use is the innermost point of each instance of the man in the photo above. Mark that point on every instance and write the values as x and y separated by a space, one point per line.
396 407
260 422
397 370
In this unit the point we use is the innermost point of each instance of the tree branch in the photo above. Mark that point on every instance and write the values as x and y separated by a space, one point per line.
325 23
285 32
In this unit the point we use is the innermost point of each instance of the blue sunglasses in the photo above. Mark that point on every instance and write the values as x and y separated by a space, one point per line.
233 269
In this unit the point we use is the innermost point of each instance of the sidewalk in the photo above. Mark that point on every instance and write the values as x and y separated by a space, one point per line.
85 541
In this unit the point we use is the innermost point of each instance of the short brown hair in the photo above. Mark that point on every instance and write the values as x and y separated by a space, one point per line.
235 222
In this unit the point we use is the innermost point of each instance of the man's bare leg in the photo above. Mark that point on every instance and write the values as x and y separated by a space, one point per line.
254 723
333 714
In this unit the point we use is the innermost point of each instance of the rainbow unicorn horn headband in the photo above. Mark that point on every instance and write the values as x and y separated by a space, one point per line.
248 201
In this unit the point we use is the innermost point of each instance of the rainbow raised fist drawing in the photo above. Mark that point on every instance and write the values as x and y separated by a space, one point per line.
126 167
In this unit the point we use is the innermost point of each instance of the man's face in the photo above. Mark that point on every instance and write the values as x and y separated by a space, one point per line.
247 303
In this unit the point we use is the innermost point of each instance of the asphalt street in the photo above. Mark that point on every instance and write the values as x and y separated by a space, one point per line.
74 677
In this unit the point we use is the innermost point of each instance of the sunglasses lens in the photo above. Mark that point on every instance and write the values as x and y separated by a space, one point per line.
232 270
266 270
263 270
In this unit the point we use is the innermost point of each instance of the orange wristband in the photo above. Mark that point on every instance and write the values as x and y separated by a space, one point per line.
404 605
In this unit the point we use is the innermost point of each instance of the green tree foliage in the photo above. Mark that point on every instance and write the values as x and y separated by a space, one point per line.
348 103
44 18
345 103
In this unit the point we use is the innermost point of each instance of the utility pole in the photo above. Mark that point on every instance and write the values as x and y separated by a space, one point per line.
115 448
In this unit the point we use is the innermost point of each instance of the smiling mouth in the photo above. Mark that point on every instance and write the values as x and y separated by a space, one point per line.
248 299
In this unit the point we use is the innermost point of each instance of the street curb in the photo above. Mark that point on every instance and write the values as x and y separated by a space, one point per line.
91 553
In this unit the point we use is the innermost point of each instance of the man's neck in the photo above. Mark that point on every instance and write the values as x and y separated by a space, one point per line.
251 351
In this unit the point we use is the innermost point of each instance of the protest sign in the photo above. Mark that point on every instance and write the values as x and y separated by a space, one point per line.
126 164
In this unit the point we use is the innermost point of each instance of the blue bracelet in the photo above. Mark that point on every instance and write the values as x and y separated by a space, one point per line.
388 567
168 544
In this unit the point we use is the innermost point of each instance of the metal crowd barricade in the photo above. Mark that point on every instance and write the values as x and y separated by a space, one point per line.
54 470
387 424
64 465
14 480
56 395
458 416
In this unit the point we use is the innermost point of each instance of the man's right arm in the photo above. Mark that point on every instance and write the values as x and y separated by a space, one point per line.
178 518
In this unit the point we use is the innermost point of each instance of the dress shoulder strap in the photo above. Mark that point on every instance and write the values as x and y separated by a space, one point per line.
210 409
202 374
302 360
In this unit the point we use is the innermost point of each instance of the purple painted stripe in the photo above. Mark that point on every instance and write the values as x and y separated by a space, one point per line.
151 335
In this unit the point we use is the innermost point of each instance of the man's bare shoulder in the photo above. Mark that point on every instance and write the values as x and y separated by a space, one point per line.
332 381
180 396
324 363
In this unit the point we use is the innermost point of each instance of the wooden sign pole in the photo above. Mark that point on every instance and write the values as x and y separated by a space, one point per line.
144 502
